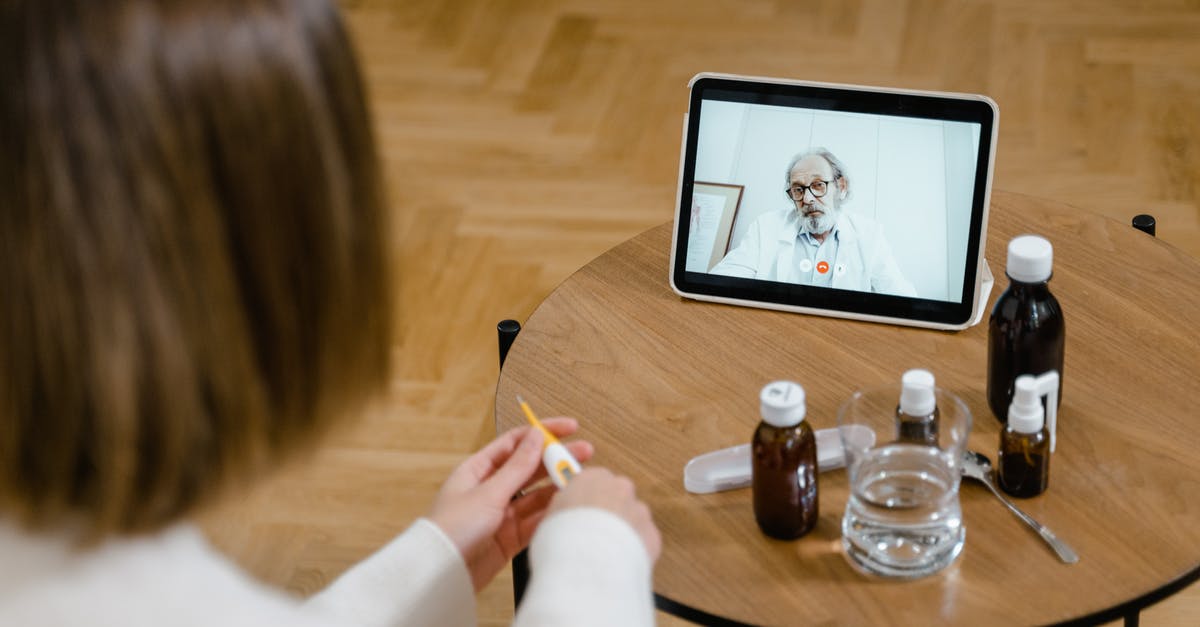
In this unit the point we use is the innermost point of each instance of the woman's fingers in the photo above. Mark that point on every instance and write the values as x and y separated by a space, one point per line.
561 426
581 450
518 469
489 461
598 487
479 466
533 500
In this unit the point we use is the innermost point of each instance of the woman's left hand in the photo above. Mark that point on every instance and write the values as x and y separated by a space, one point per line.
476 508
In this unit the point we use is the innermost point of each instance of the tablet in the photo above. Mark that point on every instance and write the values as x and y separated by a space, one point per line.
840 200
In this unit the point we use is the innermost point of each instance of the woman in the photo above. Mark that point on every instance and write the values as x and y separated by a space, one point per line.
195 284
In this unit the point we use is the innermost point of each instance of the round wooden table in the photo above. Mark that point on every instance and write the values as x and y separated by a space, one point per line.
656 380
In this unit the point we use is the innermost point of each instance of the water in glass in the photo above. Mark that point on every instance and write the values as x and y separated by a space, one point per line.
903 518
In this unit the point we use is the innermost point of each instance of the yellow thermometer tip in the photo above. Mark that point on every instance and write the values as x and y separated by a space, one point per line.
549 437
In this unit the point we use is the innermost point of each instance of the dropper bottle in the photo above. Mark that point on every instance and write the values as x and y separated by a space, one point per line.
917 413
1027 441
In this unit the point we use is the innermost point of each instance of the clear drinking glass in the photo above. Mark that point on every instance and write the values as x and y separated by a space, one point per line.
903 518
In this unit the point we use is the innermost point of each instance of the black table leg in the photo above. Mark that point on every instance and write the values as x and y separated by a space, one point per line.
506 332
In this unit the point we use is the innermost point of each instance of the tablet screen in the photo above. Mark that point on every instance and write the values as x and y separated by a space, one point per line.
834 199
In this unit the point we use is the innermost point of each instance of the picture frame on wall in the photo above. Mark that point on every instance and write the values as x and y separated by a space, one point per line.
713 212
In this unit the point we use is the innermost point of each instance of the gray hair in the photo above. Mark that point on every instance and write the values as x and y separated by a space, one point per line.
839 168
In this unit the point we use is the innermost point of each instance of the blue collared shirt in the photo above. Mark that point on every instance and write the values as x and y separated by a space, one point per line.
812 256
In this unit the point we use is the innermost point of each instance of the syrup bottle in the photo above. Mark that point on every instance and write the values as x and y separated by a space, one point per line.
917 413
1026 331
1027 441
784 464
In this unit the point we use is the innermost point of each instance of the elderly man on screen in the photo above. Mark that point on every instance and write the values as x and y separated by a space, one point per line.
815 242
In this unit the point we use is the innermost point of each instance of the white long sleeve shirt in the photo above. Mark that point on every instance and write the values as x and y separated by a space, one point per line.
588 567
863 262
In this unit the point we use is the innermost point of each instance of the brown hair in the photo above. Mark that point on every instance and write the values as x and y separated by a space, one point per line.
193 274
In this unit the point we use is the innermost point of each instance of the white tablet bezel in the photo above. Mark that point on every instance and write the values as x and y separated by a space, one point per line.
841 303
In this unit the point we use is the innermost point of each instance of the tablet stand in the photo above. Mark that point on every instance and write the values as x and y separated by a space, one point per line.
985 292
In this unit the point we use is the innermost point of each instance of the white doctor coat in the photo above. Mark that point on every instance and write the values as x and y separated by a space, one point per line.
766 252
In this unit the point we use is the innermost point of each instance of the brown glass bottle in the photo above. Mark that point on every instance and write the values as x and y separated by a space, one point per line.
917 413
1026 335
785 479
917 429
1024 462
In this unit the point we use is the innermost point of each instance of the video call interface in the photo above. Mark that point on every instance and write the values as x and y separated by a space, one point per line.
836 199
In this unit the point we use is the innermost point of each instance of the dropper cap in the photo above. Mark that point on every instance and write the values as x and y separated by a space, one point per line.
1030 259
782 403
1025 414
916 393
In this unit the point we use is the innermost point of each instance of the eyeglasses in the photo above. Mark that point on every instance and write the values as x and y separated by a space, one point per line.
817 189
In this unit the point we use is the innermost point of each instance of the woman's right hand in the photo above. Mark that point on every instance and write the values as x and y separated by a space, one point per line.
599 487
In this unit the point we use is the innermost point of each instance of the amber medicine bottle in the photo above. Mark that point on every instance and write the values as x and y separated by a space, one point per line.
1027 441
1026 331
784 464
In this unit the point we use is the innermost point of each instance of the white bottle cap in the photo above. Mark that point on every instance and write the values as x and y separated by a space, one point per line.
782 403
1025 414
916 393
1030 259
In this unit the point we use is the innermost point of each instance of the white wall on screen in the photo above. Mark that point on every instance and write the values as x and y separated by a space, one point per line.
854 139
771 137
962 145
719 139
912 201
898 168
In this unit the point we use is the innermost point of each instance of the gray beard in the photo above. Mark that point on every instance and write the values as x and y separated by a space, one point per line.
819 224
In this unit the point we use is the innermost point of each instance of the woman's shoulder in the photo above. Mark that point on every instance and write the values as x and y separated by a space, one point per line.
172 577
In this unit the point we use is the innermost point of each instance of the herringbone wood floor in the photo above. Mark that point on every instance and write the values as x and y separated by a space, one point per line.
524 137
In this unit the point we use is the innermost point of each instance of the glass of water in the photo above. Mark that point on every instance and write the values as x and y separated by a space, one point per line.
903 518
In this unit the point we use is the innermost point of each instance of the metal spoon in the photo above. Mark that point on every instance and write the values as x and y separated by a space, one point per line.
977 466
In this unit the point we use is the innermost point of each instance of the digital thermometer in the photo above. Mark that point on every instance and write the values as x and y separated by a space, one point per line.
559 462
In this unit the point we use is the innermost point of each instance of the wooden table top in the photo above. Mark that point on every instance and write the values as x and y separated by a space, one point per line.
656 380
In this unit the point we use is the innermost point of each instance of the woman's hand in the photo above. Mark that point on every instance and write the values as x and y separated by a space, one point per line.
476 508
598 487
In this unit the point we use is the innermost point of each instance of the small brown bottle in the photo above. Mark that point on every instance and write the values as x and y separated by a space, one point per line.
1026 442
784 464
917 413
